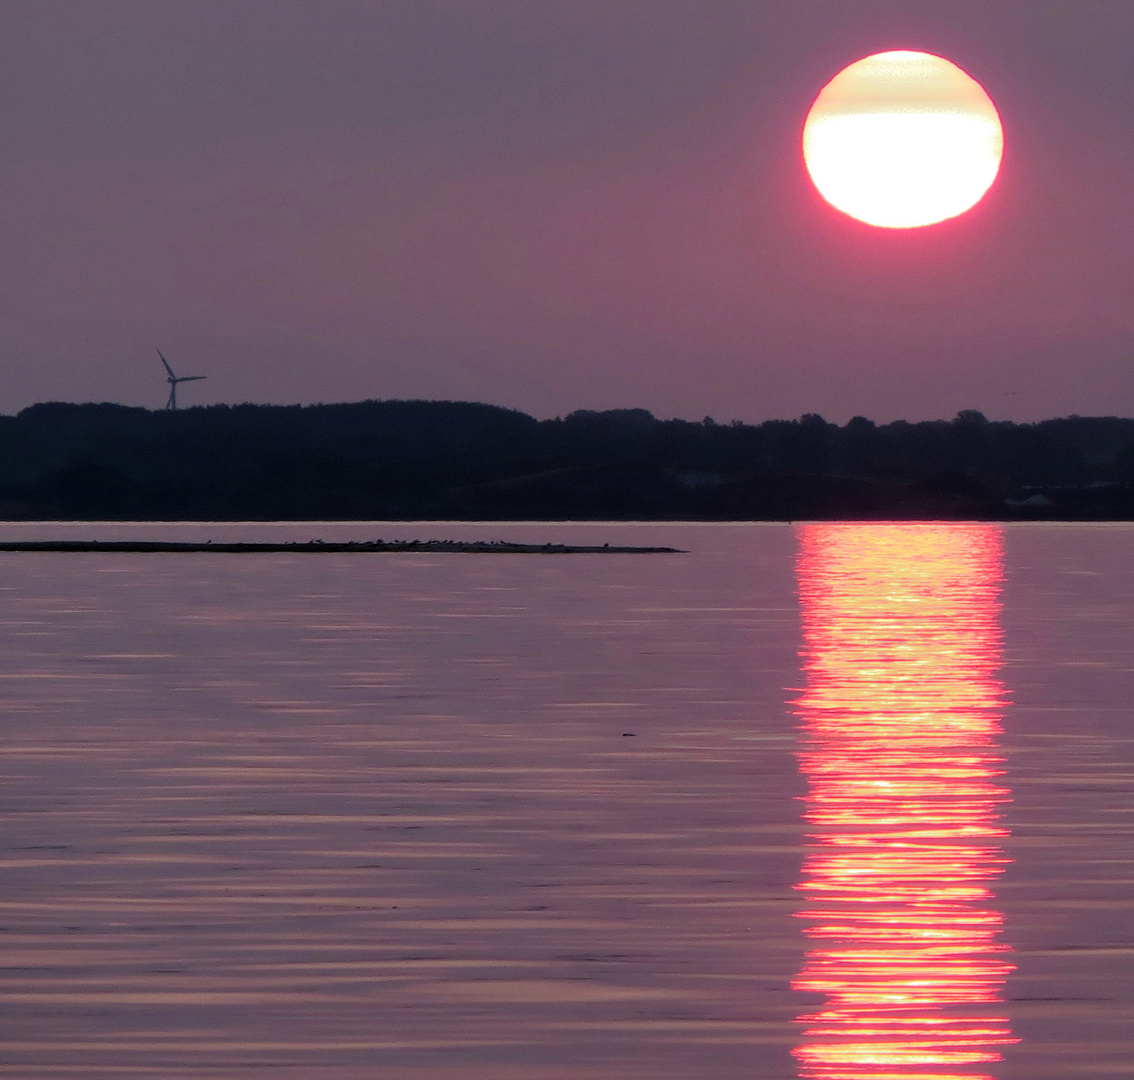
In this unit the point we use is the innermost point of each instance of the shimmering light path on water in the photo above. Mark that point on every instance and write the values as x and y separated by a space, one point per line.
901 713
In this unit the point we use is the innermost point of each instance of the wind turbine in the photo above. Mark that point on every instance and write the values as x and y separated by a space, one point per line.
173 380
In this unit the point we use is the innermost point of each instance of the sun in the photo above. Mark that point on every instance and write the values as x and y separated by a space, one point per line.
903 139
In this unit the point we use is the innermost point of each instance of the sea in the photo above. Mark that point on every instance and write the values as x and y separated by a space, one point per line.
827 801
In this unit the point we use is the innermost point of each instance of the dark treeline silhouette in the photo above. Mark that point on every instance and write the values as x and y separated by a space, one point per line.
456 460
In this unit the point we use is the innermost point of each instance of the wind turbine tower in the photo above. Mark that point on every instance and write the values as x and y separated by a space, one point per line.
173 380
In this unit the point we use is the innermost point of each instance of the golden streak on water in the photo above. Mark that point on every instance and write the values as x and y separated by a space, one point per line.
901 715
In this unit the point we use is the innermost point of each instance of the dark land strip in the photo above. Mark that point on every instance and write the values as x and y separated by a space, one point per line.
476 547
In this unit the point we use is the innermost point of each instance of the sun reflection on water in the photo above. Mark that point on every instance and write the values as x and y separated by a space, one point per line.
900 718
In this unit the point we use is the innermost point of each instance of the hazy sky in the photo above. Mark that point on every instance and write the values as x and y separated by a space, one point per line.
551 205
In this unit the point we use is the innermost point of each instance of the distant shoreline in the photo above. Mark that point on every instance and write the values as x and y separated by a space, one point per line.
460 547
403 461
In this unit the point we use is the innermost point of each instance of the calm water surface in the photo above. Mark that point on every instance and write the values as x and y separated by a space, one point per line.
829 802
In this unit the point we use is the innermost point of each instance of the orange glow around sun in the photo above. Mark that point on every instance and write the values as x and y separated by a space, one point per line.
903 139
900 719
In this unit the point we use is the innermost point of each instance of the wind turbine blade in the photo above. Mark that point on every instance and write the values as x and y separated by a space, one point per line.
192 378
167 367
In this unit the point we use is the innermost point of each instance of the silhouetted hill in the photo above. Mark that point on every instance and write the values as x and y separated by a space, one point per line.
445 459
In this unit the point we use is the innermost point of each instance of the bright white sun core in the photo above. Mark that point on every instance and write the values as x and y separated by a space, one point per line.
903 139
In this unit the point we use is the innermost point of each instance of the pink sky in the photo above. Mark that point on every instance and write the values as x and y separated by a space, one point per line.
598 204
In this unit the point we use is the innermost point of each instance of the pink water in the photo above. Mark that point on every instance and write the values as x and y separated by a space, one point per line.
569 817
